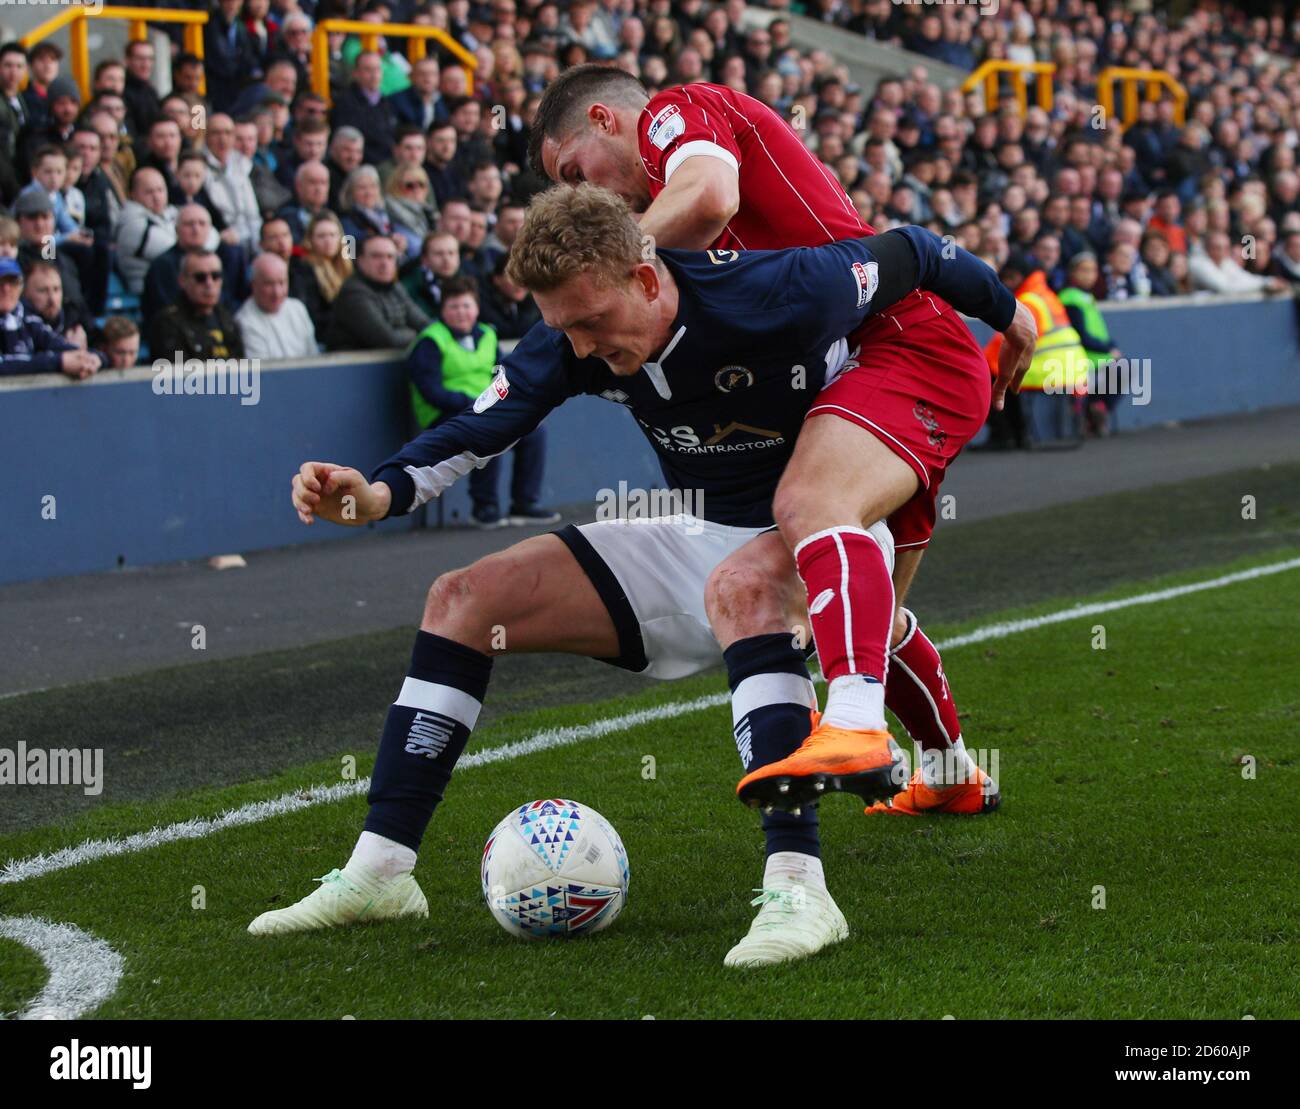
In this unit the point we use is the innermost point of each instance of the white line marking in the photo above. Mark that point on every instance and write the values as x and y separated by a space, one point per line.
1012 627
37 866
84 971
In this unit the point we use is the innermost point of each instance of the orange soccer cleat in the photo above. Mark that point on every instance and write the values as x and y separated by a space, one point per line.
868 763
979 795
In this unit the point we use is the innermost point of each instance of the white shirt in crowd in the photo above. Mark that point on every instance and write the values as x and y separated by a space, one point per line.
1223 277
288 334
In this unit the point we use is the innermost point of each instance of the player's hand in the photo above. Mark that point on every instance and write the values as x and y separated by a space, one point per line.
338 494
78 363
1017 352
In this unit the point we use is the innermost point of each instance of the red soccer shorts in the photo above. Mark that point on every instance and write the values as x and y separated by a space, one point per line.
920 384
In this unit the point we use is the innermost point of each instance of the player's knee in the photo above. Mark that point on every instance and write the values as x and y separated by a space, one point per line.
794 510
742 600
458 601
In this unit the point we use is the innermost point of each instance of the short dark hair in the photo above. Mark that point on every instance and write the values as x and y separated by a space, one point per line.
44 48
569 95
406 131
459 286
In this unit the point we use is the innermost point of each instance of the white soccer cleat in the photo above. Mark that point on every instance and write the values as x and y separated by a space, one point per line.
340 899
794 920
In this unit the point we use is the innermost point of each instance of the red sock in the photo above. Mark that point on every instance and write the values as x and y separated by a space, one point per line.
850 601
917 691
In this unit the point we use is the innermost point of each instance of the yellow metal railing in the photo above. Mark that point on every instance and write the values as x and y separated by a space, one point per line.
1156 80
75 20
417 46
990 73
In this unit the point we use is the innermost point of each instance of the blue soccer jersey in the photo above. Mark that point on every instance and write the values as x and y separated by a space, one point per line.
755 337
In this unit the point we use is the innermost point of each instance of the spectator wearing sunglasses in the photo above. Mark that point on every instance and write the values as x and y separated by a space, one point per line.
198 325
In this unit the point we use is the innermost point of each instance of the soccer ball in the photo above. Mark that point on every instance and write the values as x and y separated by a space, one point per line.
554 868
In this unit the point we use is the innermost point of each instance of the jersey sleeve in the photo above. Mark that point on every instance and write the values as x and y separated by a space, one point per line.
679 124
832 289
539 375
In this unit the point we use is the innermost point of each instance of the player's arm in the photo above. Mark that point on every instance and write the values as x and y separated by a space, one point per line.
839 285
534 380
695 206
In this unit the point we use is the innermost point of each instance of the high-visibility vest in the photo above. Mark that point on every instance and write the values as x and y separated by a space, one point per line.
1060 364
463 371
1086 303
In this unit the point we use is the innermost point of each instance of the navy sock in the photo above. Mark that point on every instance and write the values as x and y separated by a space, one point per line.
771 703
426 731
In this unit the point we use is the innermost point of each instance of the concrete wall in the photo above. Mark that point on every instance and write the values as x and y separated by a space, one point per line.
138 478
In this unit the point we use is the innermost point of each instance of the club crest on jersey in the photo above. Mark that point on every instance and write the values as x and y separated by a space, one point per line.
733 377
722 257
498 390
666 126
867 275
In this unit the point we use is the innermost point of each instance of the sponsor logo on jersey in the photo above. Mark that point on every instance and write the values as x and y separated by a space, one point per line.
867 275
733 377
616 395
498 390
722 257
669 124
684 439
821 601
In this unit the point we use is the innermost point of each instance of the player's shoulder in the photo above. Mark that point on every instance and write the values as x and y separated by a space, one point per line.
744 280
668 114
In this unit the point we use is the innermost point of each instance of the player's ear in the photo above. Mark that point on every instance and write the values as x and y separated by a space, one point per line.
647 275
602 118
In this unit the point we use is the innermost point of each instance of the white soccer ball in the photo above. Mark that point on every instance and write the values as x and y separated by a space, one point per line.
554 868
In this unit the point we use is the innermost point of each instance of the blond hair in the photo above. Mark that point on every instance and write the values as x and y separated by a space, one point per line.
330 273
574 230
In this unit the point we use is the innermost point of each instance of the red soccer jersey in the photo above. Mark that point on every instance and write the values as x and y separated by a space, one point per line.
788 197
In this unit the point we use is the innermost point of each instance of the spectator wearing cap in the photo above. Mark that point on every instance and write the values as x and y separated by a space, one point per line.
147 228
63 100
43 65
35 216
372 311
362 106
273 324
142 103
198 325
28 345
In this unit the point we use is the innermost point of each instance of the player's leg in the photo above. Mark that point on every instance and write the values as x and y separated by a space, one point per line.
756 608
841 474
532 597
946 779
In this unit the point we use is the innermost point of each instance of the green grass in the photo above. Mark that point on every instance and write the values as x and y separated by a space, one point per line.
1119 768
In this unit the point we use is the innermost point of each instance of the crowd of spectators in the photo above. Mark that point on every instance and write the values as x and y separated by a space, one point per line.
229 210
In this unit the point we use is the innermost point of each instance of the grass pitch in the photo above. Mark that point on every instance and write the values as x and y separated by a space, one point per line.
1123 782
